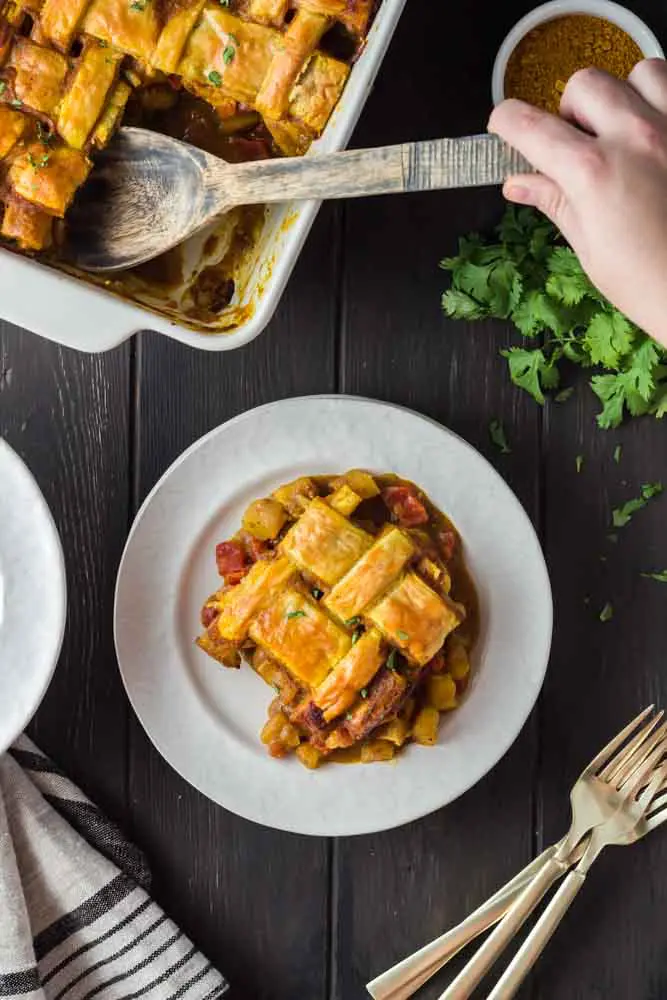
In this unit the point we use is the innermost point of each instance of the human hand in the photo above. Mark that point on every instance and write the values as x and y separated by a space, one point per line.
604 184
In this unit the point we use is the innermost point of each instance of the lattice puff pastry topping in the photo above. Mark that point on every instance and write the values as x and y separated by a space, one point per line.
68 67
350 597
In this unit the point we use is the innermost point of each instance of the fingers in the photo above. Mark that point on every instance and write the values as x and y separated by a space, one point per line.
600 103
541 192
649 79
549 143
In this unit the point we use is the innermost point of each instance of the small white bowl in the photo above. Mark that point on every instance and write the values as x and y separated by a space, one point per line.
613 12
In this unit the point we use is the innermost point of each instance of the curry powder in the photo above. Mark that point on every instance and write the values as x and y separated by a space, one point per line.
547 56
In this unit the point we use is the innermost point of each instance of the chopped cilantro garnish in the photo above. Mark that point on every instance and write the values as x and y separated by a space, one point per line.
16 102
356 637
403 636
45 136
618 451
497 434
139 5
317 593
564 394
351 622
607 613
364 692
215 78
348 716
530 277
228 54
622 515
296 614
391 660
579 462
37 163
660 577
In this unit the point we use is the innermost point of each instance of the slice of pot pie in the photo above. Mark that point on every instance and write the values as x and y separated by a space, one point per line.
264 74
350 597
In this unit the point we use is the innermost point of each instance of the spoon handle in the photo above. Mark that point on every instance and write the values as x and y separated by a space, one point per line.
472 161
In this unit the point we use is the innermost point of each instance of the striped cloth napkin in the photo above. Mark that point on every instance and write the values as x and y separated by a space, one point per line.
75 918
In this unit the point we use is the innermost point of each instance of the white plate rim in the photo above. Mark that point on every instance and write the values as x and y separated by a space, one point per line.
57 589
350 828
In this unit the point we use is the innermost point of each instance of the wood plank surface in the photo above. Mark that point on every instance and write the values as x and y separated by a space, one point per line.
66 414
289 917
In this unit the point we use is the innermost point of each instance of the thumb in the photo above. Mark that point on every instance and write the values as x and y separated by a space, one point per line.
539 191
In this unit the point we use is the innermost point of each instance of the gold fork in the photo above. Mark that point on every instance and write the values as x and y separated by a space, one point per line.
403 979
650 809
613 802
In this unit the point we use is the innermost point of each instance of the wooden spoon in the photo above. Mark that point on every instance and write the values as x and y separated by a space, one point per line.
149 192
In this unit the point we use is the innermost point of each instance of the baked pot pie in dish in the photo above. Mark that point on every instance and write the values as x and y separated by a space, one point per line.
245 79
349 596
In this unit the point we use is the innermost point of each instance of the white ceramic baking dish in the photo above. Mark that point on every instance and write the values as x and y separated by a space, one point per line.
70 311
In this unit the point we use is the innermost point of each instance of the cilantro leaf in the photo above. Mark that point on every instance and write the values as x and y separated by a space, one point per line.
531 370
567 282
505 286
659 405
497 435
607 613
660 577
530 276
622 515
609 338
459 305
537 312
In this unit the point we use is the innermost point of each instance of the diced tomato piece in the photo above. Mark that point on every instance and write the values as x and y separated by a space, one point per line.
208 615
437 665
405 506
447 541
231 558
255 547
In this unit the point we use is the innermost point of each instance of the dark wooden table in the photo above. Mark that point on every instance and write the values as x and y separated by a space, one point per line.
289 917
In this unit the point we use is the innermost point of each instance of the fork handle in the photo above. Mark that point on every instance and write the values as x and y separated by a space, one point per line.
537 940
488 953
407 976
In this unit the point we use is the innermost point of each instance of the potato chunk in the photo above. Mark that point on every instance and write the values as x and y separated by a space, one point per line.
344 500
297 495
309 756
425 728
441 692
458 662
264 519
361 482
377 750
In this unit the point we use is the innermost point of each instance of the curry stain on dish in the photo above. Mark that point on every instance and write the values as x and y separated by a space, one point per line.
544 60
350 596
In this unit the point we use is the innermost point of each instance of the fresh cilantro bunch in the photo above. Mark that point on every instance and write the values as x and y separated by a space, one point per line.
533 279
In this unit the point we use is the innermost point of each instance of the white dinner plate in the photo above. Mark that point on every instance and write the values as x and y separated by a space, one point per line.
205 719
33 596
